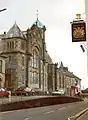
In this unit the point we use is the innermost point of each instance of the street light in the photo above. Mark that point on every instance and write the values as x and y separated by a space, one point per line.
82 47
3 9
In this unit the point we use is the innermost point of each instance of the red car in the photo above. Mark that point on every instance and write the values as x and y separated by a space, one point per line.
4 93
24 91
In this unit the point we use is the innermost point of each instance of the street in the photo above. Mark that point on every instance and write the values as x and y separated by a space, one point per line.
56 112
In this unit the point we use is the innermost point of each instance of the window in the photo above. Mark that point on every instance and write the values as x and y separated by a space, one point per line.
30 77
34 77
10 45
62 80
0 82
0 66
22 79
35 59
59 79
32 61
10 58
7 45
22 45
23 60
37 63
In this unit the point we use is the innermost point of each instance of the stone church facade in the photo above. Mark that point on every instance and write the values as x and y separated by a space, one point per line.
27 58
2 71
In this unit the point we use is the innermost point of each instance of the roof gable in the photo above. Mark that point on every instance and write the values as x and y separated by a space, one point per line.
14 32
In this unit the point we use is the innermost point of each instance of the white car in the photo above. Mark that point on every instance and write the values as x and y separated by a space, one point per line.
59 92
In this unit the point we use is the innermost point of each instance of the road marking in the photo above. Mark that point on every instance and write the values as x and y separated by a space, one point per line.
49 112
27 118
68 118
62 108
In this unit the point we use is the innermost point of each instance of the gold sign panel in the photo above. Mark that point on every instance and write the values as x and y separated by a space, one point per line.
78 31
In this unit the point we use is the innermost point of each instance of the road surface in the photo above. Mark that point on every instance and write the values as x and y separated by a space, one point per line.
55 112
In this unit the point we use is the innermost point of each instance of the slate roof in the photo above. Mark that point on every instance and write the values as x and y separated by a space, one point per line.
14 32
67 72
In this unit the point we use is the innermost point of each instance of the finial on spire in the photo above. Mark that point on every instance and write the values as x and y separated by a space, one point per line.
15 22
37 14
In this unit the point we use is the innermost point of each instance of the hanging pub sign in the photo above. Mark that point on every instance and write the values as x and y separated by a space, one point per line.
78 30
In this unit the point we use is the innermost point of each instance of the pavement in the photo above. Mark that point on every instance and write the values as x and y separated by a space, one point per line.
84 116
79 115
53 112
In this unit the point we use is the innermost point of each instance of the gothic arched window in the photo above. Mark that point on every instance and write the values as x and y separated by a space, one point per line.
35 59
0 66
34 64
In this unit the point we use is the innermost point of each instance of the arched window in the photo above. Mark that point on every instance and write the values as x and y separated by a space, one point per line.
12 44
23 60
34 64
22 45
0 82
35 59
0 66
60 79
7 45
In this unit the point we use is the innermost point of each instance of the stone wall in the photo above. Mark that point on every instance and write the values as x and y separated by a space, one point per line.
40 102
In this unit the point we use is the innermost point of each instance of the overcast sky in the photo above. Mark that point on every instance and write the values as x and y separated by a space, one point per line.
56 15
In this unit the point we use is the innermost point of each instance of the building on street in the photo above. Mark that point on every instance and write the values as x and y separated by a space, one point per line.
2 70
67 81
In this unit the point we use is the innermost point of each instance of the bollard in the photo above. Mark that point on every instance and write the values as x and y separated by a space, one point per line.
9 96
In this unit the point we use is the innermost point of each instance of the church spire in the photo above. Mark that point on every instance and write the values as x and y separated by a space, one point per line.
15 21
61 64
37 15
37 23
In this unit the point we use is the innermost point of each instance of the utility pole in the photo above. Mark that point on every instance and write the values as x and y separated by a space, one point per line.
86 18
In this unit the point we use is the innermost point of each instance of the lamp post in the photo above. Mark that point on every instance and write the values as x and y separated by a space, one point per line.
85 46
86 17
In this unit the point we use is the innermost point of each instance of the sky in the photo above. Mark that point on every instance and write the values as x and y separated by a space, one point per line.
56 15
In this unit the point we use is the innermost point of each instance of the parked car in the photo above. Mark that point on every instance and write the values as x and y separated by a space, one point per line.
4 93
38 91
24 91
59 92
